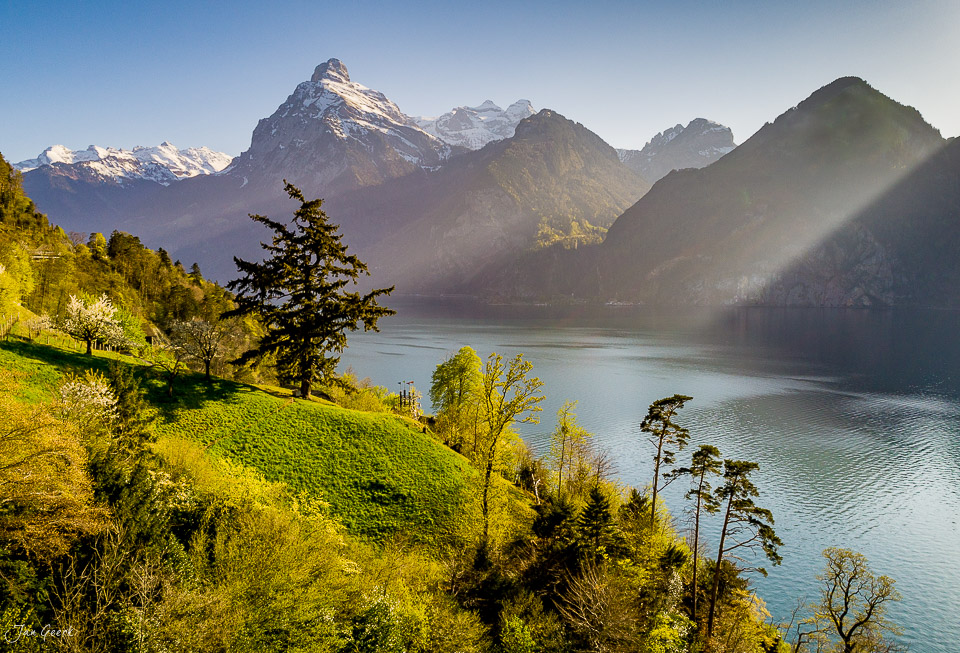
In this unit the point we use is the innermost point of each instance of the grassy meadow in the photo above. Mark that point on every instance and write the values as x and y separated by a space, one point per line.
379 473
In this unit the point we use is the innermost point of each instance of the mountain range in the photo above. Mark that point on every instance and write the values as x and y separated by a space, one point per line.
483 186
815 209
163 164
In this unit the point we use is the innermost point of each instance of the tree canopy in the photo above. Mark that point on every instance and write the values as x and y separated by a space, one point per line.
299 292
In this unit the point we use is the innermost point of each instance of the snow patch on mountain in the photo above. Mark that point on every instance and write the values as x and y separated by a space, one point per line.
697 145
474 127
328 105
163 164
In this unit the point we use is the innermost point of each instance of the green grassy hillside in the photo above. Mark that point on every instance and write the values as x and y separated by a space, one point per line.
378 472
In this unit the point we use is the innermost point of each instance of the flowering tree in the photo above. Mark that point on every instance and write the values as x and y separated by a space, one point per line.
203 341
89 320
87 399
168 358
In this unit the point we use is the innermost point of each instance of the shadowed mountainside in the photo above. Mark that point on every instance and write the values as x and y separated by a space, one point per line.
726 233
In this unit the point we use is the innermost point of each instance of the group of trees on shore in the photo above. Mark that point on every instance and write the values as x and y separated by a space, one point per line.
606 563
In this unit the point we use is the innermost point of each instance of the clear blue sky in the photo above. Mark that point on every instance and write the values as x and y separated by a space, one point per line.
203 73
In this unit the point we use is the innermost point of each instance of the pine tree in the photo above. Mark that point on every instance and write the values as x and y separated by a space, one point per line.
299 293
745 524
133 419
664 434
595 524
704 462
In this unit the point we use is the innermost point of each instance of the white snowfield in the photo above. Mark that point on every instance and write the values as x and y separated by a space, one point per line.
475 127
330 91
163 164
350 109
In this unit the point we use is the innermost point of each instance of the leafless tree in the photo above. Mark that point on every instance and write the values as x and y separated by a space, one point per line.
599 609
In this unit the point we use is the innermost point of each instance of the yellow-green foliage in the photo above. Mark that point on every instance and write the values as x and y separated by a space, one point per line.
266 567
361 395
47 493
16 276
568 233
380 474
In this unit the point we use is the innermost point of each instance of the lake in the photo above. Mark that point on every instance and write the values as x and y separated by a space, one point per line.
853 416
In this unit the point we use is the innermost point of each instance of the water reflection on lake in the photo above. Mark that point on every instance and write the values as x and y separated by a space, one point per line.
853 416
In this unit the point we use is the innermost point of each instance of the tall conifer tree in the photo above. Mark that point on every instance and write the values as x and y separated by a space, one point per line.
299 292
745 524
664 434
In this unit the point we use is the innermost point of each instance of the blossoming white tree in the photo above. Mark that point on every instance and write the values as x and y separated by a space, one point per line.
87 399
89 320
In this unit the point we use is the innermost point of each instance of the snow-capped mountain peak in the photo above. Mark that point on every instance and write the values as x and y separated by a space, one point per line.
474 127
309 137
332 69
487 106
163 164
698 144
331 94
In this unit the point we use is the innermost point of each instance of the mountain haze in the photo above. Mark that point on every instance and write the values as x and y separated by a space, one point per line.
902 249
427 212
723 233
441 231
847 199
474 127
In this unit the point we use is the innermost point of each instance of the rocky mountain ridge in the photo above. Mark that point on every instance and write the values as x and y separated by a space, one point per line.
442 231
781 220
817 208
474 127
697 145
332 134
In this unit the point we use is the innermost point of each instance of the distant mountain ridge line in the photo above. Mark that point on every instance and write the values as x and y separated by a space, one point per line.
163 164
502 182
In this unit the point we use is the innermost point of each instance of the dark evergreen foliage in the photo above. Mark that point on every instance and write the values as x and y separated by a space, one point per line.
664 434
595 524
299 292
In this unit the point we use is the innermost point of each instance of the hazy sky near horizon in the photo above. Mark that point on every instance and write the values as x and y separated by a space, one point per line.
193 73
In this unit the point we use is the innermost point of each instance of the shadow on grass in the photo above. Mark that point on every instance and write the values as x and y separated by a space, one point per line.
190 390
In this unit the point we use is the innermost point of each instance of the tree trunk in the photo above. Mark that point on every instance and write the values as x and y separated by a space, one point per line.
485 505
716 570
563 446
696 546
206 368
89 347
656 477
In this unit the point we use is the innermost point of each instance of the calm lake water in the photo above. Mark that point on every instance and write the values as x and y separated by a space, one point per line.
854 417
